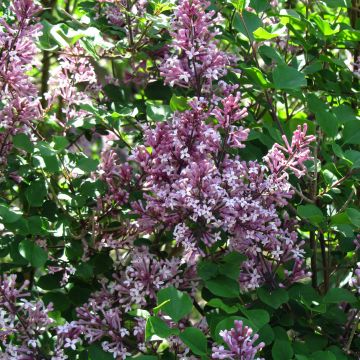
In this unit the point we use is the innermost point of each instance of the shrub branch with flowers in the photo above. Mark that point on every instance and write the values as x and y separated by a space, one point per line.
179 179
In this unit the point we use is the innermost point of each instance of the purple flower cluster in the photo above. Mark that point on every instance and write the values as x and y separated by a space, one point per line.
117 177
102 317
240 342
75 72
195 187
196 60
22 322
20 104
120 12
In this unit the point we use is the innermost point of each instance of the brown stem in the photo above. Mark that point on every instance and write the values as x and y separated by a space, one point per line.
313 260
324 262
45 76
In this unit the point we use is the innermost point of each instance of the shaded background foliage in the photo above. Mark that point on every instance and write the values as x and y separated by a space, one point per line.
67 222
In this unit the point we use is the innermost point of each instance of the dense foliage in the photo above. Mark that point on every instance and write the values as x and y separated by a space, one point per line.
179 179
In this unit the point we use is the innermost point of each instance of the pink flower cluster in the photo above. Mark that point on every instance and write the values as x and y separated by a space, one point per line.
196 60
20 104
240 342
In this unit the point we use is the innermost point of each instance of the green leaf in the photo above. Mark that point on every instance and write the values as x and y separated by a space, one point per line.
223 286
338 3
231 263
286 77
156 326
351 133
261 34
338 295
87 165
219 304
322 355
36 193
7 215
354 216
258 317
178 103
326 119
207 269
195 340
59 300
266 334
50 281
339 354
33 253
157 112
97 353
329 177
270 53
85 271
180 303
282 350
257 76
22 141
60 143
311 213
273 298
324 26
247 23
260 5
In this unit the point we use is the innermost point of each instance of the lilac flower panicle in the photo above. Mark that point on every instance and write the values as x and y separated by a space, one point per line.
240 344
196 61
190 179
293 155
22 322
102 317
75 70
21 105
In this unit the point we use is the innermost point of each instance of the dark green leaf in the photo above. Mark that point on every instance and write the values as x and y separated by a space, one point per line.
223 286
180 303
286 77
195 340
22 141
338 295
273 298
33 253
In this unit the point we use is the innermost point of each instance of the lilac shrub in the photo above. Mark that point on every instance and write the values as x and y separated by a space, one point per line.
153 196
